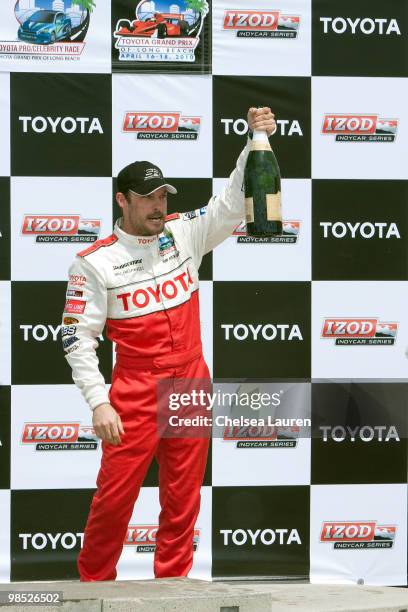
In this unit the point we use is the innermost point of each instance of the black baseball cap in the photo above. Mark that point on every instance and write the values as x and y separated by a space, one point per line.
143 178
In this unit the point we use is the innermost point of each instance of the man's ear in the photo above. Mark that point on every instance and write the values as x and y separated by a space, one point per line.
121 200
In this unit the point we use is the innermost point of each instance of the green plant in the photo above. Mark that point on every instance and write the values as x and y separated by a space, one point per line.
86 5
198 6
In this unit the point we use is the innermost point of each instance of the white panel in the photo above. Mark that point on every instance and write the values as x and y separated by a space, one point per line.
386 505
191 96
261 55
5 333
50 469
274 262
5 124
359 160
206 321
270 465
385 301
201 569
139 565
90 198
5 536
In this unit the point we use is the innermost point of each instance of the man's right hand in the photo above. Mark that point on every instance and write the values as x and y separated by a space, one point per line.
107 424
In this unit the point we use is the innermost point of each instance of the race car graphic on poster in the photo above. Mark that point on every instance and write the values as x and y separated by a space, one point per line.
47 29
159 31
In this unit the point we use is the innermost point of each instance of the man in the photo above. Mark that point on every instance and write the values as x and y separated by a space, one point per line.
142 281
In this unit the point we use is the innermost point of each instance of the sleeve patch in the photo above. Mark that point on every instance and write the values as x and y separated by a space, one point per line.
192 214
173 216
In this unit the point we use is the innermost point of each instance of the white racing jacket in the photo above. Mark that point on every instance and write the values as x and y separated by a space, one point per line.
145 288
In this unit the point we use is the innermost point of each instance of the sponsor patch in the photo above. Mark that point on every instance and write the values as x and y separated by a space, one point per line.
69 341
74 293
191 214
70 321
75 306
72 349
77 280
166 243
173 216
68 330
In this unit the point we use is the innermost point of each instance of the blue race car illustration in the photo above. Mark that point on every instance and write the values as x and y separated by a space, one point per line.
45 27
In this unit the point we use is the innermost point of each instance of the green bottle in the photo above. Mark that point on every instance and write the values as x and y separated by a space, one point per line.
262 184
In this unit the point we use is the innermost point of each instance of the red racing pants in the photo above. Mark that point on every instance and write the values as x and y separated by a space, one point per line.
181 462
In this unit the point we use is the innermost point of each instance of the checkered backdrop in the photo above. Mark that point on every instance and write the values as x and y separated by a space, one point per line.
85 90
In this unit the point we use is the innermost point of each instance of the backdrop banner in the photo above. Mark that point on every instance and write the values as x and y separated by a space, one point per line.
89 86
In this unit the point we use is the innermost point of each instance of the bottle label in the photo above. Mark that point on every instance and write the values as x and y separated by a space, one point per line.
249 210
260 145
273 206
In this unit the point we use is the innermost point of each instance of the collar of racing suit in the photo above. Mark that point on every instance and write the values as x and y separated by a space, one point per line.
132 240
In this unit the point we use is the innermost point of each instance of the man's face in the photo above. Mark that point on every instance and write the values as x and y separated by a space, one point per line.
144 215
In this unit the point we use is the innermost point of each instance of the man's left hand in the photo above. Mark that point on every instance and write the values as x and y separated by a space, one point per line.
261 119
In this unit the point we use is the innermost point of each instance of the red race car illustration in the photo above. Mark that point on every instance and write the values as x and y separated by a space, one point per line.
161 25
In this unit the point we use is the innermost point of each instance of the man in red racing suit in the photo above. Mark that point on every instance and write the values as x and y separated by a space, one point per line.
142 281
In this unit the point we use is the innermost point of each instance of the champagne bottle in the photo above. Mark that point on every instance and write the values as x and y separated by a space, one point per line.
262 184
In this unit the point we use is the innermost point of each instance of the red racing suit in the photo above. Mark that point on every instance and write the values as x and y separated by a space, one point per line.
145 288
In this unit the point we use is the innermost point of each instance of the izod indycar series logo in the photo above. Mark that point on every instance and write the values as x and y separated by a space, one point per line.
143 538
161 125
59 436
161 31
358 534
262 436
49 29
359 127
265 24
290 234
61 228
351 331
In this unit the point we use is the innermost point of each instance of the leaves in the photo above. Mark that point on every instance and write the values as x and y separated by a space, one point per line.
85 4
198 6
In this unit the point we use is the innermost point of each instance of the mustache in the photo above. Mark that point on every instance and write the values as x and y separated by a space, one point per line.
156 215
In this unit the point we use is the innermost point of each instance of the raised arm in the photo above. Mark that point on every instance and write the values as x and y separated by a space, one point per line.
213 223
